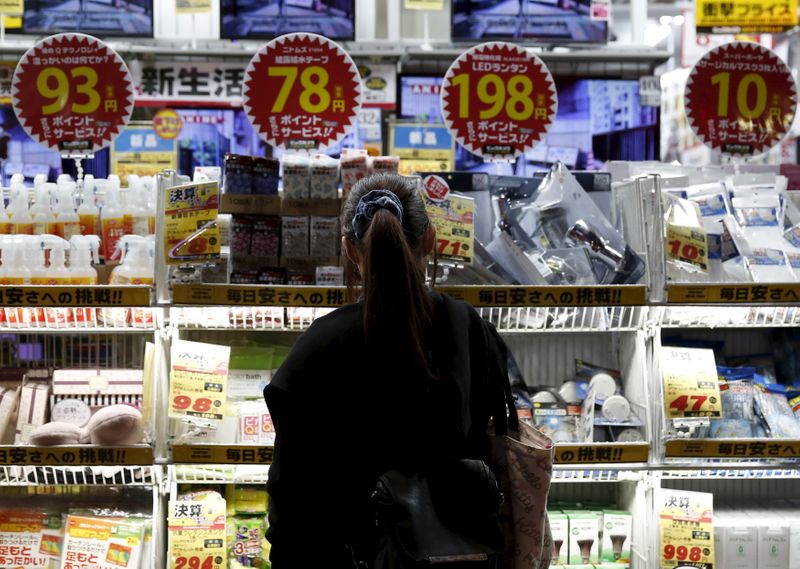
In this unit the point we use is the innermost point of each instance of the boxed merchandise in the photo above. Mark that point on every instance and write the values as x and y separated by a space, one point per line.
255 424
294 232
101 543
21 539
773 545
238 174
617 528
385 164
739 544
324 180
329 276
8 403
354 167
97 382
33 405
296 177
241 233
265 176
559 528
324 236
584 536
265 237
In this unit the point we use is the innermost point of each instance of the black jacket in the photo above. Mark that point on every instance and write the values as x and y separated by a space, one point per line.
344 414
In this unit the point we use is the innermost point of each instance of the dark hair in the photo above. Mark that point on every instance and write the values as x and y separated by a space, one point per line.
397 306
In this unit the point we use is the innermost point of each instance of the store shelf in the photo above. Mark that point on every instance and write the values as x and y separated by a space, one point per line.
725 317
734 293
70 320
602 453
598 474
77 475
730 472
582 319
746 449
210 474
221 454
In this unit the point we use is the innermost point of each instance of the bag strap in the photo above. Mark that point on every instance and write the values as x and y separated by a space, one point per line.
504 414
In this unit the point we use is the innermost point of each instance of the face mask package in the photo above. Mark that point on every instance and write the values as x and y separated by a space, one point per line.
737 409
773 407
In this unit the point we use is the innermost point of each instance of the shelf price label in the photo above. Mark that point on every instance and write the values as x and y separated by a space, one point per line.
745 17
302 92
198 381
498 100
197 534
691 385
686 529
740 98
687 245
453 217
72 93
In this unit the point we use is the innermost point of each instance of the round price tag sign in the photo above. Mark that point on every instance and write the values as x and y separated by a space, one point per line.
740 99
167 124
302 92
72 93
498 100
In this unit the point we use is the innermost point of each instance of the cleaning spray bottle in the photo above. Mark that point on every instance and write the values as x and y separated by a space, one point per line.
138 208
112 221
44 221
14 271
83 253
88 212
128 200
54 249
38 180
68 222
6 227
18 211
136 262
151 191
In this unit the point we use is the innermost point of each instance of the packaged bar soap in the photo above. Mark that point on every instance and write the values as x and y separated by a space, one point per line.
294 233
324 236
584 537
617 527
559 527
296 177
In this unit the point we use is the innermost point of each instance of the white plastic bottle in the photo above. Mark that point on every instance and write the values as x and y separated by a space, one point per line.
18 211
68 222
88 212
14 270
137 263
83 254
112 222
56 272
38 180
44 221
6 227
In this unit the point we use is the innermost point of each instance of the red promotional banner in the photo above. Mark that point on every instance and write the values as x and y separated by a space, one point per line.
740 99
498 100
302 92
72 93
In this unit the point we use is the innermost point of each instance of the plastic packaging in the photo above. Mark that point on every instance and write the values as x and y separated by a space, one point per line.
324 180
238 178
18 211
68 222
44 221
296 176
136 262
324 236
294 236
56 273
265 176
88 212
84 251
773 407
112 221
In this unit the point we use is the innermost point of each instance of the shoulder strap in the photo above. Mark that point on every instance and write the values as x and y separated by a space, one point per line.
504 414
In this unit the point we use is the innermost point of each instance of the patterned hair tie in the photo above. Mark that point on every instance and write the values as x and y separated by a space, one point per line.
370 203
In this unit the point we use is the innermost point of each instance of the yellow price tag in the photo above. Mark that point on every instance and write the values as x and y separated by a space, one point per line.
514 94
198 380
197 534
686 529
691 385
688 245
81 94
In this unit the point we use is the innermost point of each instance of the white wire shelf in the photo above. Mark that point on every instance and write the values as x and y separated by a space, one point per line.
586 319
218 474
601 474
730 316
731 472
76 475
247 318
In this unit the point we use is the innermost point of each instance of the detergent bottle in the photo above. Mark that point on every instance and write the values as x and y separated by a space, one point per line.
18 211
83 254
137 262
44 221
68 222
112 221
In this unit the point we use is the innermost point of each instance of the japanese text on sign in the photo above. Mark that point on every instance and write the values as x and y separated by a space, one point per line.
687 245
549 295
72 93
748 294
259 296
499 100
197 533
740 98
745 17
219 454
686 529
453 218
74 296
733 449
75 456
302 92
603 453
198 381
691 386
191 232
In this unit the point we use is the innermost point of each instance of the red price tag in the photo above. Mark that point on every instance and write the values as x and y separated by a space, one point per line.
302 92
740 99
683 553
498 100
72 93
195 562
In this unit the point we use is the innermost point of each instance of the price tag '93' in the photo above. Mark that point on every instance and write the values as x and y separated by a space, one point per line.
72 93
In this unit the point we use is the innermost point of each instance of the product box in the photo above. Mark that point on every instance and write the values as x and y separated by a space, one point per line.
8 403
739 542
33 404
584 537
617 529
255 424
21 540
559 528
773 545
101 543
97 382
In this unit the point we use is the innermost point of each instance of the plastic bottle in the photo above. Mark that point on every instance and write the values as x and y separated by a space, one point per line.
17 179
136 264
56 273
68 222
63 178
128 203
111 221
83 254
14 270
38 180
44 221
151 192
6 227
18 210
88 212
